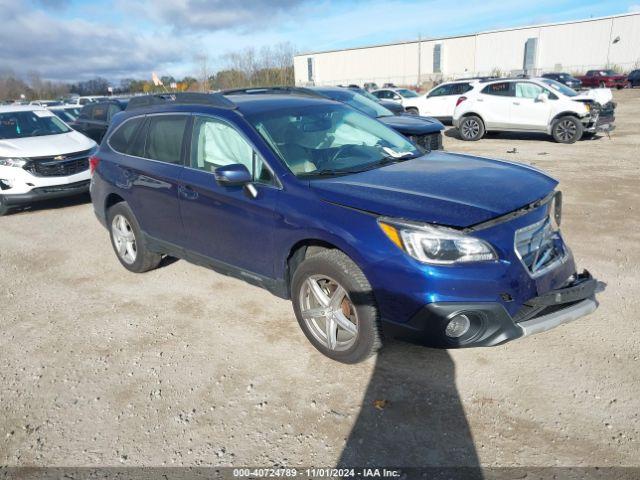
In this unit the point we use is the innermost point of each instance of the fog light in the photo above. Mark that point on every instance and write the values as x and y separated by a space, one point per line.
458 326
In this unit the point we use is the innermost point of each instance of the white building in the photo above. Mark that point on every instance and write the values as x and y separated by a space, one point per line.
568 46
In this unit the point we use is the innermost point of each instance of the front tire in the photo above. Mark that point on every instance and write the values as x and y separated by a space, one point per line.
335 307
4 209
471 128
567 130
412 110
128 242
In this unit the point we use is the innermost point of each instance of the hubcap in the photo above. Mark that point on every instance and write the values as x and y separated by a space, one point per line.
328 312
566 130
124 239
470 128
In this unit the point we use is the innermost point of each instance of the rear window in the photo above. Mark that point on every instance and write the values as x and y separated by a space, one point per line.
503 89
99 112
164 138
123 138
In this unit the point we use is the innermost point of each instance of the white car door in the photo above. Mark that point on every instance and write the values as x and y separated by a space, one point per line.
494 104
434 103
530 110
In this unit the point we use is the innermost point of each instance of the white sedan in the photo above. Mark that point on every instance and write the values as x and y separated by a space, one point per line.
399 95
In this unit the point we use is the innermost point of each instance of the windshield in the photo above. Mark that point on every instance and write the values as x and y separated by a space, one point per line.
63 115
330 140
608 73
359 102
31 123
405 92
560 87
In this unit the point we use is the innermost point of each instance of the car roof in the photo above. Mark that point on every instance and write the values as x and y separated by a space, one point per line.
20 108
252 104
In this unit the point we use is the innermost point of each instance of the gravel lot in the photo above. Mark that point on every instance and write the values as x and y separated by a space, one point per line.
183 366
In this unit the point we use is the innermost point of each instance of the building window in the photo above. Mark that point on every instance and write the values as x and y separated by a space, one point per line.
530 48
310 69
437 57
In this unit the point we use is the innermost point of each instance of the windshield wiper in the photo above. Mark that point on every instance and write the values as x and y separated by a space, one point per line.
330 171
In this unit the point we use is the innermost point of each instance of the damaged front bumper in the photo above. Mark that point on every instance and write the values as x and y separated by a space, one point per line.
491 324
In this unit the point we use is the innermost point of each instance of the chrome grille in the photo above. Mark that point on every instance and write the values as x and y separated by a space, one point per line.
539 247
60 166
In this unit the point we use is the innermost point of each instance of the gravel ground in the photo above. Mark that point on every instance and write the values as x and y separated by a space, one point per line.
183 366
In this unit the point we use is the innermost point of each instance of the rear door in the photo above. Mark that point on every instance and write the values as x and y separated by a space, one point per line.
225 223
152 174
495 104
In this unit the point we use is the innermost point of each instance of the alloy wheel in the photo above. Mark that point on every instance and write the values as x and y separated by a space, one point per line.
124 239
470 128
566 130
328 312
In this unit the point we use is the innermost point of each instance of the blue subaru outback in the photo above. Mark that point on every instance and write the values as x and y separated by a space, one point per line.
367 233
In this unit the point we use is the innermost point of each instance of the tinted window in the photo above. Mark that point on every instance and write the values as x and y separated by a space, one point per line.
164 138
215 143
503 89
113 109
459 88
99 113
123 138
85 113
441 91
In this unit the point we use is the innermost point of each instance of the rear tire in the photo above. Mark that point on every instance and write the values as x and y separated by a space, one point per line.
567 130
322 309
128 242
471 128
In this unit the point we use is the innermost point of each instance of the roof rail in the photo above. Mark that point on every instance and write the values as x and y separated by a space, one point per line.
271 90
493 79
185 98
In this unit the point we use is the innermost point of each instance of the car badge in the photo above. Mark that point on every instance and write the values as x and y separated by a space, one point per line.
59 157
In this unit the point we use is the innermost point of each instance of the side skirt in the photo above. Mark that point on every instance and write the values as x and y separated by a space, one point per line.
277 287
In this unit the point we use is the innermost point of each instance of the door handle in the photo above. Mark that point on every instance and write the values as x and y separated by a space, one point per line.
186 192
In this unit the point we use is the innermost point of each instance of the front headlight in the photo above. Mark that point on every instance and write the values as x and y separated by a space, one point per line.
436 245
12 162
555 210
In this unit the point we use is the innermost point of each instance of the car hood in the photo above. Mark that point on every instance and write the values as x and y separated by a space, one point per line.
412 124
442 188
600 95
395 107
47 145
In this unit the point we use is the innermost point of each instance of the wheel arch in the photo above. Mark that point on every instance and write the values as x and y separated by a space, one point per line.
558 116
110 201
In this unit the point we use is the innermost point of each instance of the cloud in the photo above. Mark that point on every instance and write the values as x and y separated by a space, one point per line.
212 15
76 49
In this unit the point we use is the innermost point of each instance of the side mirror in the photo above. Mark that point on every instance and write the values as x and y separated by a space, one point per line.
543 97
232 175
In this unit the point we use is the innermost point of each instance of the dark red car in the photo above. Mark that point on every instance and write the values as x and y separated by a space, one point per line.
603 79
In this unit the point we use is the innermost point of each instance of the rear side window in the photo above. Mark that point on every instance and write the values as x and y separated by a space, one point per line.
164 138
99 113
502 89
113 109
86 112
122 140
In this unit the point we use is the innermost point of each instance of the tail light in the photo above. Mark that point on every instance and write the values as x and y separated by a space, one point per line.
460 100
93 164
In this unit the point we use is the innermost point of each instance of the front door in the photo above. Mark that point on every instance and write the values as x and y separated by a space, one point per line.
528 110
226 223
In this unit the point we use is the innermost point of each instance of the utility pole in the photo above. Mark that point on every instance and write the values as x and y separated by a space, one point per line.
419 59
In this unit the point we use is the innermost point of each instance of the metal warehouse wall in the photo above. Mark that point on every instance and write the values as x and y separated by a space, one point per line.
571 46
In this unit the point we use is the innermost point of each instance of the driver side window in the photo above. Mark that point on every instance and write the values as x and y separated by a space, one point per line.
215 143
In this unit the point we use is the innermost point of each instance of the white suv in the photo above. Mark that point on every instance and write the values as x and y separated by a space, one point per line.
439 102
531 105
40 157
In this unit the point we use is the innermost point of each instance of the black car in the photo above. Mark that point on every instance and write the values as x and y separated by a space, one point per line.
423 131
564 78
95 117
634 78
